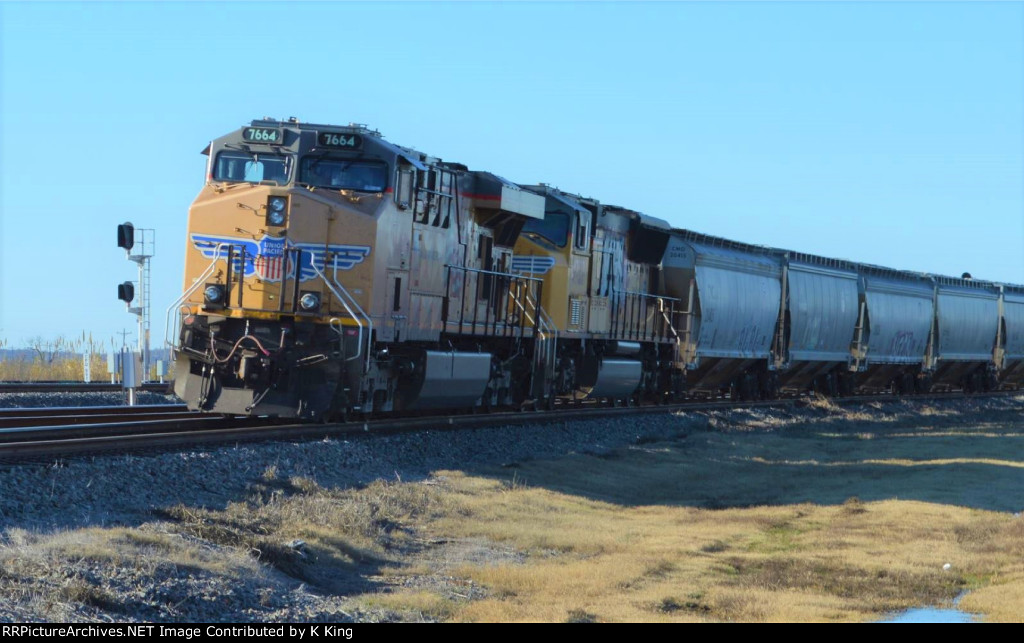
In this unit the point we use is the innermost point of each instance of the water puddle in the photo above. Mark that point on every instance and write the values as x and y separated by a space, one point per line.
934 614
931 615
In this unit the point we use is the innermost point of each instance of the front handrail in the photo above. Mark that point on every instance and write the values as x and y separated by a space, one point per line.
341 294
177 305
340 298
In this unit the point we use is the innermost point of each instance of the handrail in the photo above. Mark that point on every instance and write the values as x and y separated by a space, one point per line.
628 304
339 297
547 327
545 322
176 306
337 290
648 295
352 300
664 314
514 299
492 272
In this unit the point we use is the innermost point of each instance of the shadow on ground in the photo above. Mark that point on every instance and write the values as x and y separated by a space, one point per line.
981 467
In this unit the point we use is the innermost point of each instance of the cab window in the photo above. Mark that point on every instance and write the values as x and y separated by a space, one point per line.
554 228
344 174
250 168
581 236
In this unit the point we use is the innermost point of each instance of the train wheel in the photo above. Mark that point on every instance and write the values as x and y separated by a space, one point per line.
830 385
816 386
750 387
907 384
845 384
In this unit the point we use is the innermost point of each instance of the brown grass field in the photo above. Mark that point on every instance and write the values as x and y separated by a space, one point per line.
839 516
810 522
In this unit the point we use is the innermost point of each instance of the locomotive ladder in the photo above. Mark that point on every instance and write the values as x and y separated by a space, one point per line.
546 336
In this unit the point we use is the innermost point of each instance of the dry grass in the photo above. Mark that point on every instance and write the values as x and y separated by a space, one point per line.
667 564
55 575
28 554
57 359
60 359
330 540
326 538
414 605
782 526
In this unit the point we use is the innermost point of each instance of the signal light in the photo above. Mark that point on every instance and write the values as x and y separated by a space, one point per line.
125 236
126 292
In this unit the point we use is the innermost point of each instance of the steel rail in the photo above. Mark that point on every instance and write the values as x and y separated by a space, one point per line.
17 421
58 434
59 411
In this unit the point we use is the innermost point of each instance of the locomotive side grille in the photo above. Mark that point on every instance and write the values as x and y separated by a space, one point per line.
576 312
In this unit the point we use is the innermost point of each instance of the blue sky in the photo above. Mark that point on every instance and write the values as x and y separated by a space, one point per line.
888 133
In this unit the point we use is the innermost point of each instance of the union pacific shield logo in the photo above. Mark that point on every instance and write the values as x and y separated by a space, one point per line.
529 264
268 260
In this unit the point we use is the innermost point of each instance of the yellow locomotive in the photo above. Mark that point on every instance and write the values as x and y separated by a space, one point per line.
328 271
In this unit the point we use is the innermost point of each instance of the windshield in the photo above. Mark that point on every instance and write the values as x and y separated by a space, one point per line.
554 227
344 174
251 168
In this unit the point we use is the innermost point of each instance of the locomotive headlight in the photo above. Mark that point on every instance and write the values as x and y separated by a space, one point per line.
309 301
277 207
214 294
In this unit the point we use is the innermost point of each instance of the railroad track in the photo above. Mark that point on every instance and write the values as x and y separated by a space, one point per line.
77 387
67 424
43 416
47 433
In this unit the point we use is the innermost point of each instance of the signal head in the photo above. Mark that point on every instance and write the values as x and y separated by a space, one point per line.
126 292
126 236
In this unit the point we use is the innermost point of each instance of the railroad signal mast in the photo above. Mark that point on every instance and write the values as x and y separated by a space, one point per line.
139 246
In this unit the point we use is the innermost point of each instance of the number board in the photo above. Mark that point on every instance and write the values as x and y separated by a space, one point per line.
262 135
338 139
